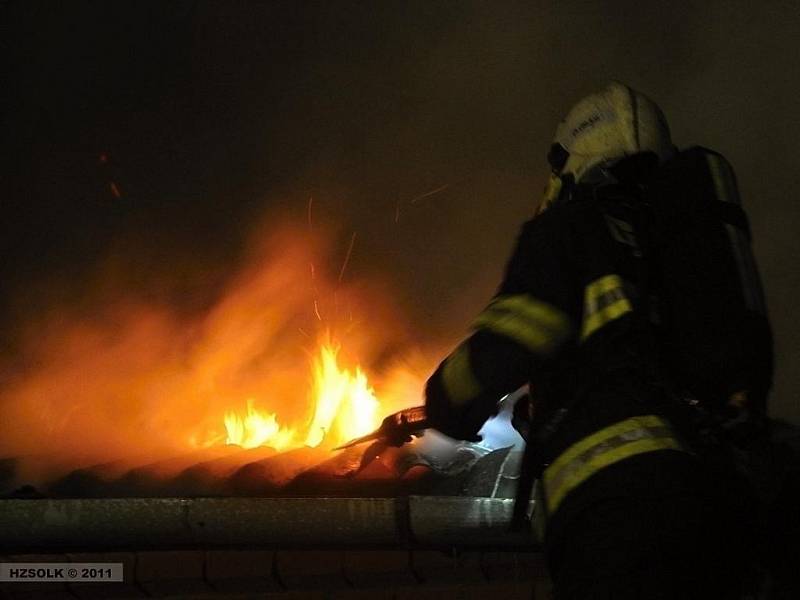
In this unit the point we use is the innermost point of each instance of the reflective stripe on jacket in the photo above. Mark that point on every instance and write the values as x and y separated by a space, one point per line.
610 445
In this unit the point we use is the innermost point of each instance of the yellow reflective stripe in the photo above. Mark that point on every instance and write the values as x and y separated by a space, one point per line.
605 447
518 330
578 448
535 324
604 301
458 379
596 463
604 316
536 311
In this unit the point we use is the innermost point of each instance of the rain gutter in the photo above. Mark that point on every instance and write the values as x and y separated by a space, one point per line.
193 523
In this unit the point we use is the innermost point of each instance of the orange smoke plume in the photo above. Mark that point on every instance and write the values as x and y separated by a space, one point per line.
136 379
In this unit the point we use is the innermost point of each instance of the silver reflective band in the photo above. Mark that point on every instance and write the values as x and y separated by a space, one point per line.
61 572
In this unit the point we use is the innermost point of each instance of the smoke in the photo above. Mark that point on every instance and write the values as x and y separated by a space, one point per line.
126 376
209 115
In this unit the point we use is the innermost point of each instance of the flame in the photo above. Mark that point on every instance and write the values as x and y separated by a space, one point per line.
345 407
257 428
120 375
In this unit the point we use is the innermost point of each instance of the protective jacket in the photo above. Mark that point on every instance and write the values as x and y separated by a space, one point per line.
570 318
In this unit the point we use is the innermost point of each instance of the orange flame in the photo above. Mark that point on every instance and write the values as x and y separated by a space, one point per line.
345 407
123 376
257 428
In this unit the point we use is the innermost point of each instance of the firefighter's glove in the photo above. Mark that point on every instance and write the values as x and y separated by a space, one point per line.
460 422
522 417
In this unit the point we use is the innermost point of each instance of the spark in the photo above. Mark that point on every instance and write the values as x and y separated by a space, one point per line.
115 190
431 193
313 271
347 258
316 310
304 332
103 158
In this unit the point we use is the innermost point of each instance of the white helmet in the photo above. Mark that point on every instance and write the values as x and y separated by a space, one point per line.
603 128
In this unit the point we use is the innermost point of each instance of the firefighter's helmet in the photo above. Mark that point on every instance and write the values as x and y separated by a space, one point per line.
599 131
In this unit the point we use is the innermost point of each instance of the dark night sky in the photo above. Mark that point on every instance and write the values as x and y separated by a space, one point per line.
211 113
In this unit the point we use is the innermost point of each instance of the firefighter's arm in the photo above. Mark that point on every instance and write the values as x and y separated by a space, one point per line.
527 322
464 390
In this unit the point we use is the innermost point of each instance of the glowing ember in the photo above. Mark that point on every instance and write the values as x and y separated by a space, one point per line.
344 407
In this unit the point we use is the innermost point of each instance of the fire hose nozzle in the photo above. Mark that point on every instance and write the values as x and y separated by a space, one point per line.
396 429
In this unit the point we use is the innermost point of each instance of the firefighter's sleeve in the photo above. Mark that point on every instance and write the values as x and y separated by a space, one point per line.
527 322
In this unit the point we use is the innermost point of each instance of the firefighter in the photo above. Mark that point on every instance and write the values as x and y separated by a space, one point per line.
631 509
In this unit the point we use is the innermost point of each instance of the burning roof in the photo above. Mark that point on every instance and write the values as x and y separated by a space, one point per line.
288 360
